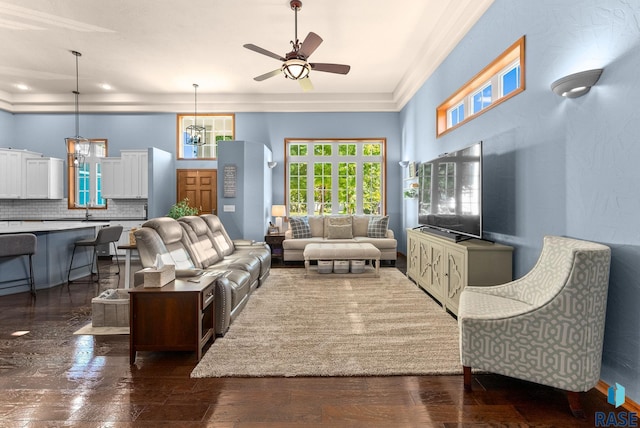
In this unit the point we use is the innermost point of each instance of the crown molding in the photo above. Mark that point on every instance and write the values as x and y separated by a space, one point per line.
207 103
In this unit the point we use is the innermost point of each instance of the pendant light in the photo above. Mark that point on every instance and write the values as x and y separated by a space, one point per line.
77 147
196 135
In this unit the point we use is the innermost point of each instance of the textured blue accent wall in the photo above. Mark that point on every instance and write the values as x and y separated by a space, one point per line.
554 165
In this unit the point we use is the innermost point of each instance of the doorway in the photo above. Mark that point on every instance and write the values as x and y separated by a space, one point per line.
200 187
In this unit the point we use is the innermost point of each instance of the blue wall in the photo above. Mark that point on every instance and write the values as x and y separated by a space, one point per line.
555 165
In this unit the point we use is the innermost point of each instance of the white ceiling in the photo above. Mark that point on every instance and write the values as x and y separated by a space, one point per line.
152 51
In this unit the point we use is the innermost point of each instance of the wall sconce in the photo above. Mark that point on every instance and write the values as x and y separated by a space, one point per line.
577 84
272 164
404 163
278 211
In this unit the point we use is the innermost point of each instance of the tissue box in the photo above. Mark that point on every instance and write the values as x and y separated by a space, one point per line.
110 309
157 278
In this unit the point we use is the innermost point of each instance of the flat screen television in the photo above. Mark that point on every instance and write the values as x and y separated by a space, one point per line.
450 193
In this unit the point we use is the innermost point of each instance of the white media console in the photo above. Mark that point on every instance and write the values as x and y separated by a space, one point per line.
443 267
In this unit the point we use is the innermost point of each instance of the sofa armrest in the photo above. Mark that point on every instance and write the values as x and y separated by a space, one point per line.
288 234
223 305
390 234
243 242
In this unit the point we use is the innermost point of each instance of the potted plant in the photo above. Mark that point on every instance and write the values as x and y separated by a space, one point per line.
410 193
181 209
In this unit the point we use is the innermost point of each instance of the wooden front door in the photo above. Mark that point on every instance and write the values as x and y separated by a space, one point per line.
199 186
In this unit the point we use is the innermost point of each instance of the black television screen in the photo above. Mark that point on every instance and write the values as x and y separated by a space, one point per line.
450 192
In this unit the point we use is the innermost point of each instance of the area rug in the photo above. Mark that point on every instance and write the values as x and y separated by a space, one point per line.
329 326
101 331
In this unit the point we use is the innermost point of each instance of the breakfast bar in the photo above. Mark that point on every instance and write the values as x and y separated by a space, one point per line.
55 240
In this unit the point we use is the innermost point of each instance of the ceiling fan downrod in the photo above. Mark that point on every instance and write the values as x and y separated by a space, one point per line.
296 5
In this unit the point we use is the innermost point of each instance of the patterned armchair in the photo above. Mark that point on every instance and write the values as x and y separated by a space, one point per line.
546 327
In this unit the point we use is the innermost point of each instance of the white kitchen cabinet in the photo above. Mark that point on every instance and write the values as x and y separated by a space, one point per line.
126 177
135 165
44 178
112 178
443 268
13 172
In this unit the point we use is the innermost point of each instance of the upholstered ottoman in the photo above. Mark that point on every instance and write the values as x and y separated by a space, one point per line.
342 251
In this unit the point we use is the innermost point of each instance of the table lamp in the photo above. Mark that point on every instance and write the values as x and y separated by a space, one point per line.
278 211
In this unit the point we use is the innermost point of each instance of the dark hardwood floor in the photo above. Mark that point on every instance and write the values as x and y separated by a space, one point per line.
50 378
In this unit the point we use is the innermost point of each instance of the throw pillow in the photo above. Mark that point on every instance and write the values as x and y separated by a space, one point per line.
339 220
360 225
378 227
342 231
331 220
299 227
316 224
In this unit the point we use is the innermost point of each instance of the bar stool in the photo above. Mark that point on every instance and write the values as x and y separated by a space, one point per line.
16 245
106 235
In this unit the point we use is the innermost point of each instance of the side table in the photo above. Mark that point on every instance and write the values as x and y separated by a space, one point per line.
177 317
275 242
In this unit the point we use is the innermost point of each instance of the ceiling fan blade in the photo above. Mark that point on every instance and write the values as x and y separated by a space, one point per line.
265 76
262 51
331 68
305 84
310 44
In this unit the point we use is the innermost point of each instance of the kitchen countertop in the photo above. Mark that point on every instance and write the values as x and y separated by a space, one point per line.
49 226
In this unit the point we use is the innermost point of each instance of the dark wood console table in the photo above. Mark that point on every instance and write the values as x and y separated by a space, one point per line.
177 317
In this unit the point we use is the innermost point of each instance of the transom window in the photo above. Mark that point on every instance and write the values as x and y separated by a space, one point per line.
335 176
499 81
217 127
85 176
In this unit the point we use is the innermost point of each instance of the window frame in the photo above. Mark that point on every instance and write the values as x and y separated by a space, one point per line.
72 179
202 120
492 74
335 159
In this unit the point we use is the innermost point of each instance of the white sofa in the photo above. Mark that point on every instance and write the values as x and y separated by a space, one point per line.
341 228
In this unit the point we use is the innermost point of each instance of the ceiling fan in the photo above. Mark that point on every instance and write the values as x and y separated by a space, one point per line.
294 64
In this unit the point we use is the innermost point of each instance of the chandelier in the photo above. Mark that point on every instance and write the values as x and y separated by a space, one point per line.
77 147
196 135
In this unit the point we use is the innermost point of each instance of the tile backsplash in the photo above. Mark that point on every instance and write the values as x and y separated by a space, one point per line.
56 209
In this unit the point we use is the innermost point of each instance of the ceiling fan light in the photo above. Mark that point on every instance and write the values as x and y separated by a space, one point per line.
295 69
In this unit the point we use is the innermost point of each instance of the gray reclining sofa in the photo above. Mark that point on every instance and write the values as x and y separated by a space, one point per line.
199 245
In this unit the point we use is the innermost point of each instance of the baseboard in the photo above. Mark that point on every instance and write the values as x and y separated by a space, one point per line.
629 405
